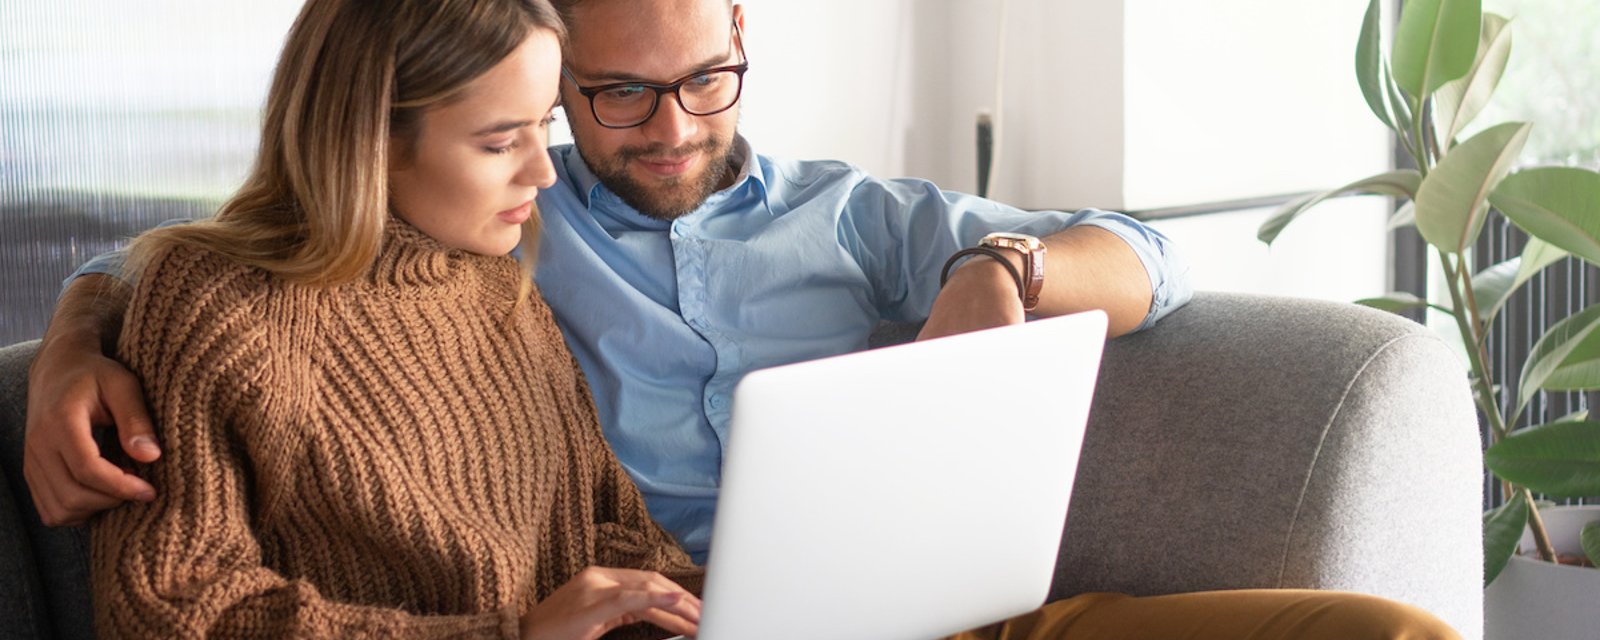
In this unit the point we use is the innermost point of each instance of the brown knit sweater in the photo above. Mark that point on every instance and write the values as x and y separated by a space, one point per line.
392 457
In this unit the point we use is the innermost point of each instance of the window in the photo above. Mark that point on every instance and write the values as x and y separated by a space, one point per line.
117 115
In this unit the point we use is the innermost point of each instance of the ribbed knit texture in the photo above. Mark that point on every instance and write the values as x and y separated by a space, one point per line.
399 456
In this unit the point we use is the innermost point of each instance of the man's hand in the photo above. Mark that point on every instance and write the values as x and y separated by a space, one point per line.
980 294
598 600
74 388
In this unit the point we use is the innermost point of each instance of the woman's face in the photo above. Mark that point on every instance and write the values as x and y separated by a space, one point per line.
470 176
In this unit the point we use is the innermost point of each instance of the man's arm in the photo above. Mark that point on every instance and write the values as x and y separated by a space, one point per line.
72 388
1086 267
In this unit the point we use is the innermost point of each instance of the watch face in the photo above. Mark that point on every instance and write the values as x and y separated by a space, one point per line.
1027 240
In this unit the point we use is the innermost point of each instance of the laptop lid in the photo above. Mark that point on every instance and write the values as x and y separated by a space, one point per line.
908 492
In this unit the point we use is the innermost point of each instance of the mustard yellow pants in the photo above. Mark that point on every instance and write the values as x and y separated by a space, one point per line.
1236 615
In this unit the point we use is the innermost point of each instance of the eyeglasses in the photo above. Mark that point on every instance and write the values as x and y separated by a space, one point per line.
622 105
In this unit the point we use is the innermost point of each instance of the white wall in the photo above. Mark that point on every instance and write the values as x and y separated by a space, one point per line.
1120 104
1116 103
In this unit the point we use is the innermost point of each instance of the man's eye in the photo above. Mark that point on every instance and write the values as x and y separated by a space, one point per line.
628 92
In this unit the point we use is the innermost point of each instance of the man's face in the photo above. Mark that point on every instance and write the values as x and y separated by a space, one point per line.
667 166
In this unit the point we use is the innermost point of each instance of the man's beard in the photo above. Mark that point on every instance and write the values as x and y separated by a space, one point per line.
670 198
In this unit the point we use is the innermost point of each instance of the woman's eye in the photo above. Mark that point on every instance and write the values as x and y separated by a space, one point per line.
501 150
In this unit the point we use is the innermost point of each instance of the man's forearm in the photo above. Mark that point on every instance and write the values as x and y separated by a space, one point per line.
1089 267
1086 267
89 314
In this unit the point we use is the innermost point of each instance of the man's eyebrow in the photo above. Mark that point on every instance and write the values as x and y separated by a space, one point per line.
619 76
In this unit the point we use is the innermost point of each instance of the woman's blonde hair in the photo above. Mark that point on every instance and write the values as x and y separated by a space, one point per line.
355 76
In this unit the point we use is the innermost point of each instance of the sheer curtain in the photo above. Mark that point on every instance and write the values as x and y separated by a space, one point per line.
115 115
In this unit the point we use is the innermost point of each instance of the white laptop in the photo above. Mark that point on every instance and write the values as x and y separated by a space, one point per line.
908 492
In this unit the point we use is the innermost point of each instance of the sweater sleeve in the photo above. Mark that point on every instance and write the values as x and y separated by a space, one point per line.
188 564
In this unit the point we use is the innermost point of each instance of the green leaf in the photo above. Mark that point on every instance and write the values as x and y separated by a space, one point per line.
1559 459
1460 100
1401 184
1538 254
1552 350
1493 286
1452 202
1405 216
1560 205
1591 542
1580 371
1581 414
1436 43
1502 529
1397 301
1397 103
1369 62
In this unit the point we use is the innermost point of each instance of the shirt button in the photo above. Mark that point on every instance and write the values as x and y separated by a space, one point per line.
718 401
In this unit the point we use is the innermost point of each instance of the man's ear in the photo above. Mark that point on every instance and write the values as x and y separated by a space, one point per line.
738 16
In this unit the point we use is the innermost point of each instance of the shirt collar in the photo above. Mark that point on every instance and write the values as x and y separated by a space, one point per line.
588 188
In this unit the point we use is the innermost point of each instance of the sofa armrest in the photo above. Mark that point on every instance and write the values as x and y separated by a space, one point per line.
1269 442
44 571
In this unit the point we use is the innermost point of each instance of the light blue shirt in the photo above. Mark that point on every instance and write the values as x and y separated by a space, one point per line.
795 261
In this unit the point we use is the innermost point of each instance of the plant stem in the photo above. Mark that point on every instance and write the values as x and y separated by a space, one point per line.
1455 277
1469 337
1541 537
1419 148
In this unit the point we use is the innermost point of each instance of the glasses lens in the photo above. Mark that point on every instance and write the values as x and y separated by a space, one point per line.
709 92
624 105
704 94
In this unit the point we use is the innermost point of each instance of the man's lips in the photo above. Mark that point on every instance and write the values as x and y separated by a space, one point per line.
667 166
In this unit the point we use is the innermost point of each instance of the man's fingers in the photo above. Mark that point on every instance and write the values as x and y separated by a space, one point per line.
44 495
83 464
63 504
124 398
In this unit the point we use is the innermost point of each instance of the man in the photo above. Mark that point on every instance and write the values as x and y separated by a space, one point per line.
676 260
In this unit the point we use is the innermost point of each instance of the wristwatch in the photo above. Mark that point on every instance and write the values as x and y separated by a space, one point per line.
1032 250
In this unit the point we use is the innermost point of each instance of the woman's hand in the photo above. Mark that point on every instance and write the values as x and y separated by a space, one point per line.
600 599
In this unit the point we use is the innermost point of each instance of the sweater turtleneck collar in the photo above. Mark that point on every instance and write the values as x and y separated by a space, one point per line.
411 258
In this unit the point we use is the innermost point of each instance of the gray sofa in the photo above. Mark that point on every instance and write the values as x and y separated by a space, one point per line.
1245 442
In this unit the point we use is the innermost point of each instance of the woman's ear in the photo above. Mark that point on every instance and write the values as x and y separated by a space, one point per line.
399 153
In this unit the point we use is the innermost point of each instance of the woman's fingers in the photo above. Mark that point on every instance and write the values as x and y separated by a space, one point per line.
599 599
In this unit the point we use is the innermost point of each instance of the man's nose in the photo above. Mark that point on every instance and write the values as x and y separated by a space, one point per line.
670 125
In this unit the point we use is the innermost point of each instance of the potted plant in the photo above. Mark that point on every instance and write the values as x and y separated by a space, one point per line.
1446 59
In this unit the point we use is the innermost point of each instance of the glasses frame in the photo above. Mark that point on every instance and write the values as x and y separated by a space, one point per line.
671 87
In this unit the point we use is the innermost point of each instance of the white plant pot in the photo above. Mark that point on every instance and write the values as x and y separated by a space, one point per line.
1535 599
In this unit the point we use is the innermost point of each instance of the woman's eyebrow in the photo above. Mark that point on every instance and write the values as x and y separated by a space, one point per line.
502 127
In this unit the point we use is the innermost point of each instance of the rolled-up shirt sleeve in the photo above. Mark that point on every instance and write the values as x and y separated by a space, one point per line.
902 231
1163 263
111 263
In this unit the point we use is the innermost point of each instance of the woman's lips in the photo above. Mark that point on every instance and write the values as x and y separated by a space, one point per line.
517 215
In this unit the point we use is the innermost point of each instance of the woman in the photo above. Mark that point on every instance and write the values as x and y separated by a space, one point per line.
372 426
